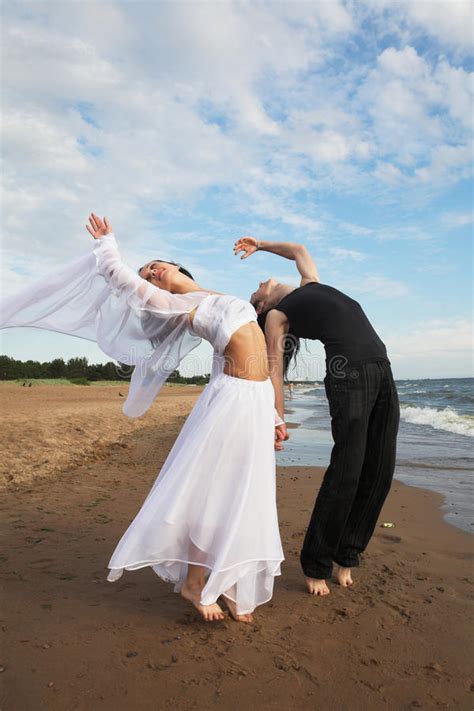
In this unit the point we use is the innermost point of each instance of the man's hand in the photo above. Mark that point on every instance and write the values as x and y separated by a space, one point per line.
99 228
247 245
289 250
281 435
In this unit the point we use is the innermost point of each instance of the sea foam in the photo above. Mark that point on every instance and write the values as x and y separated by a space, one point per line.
446 419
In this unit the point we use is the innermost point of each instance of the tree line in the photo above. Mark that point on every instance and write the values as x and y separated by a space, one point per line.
79 370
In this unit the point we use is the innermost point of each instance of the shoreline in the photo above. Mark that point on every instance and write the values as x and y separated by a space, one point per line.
421 462
432 519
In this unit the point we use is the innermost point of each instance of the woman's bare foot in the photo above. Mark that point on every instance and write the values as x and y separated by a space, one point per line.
317 587
210 613
232 607
343 577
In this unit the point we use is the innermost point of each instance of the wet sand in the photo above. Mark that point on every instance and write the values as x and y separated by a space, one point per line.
399 639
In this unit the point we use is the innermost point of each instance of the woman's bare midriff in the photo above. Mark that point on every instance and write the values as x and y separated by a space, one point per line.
246 353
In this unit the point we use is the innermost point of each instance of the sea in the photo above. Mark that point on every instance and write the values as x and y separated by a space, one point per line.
435 441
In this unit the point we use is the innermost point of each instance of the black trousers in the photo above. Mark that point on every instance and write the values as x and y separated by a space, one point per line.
363 404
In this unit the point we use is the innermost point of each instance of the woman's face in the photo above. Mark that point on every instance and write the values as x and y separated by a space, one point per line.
161 274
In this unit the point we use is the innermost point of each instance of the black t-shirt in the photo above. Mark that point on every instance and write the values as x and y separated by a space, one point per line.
322 313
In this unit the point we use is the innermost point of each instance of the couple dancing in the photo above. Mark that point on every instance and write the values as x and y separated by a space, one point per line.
209 523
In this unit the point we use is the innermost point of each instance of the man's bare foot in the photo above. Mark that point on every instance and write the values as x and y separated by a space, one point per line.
232 607
317 587
343 577
210 613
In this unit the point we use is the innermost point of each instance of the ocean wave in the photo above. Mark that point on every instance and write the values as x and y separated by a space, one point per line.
311 391
460 397
460 400
447 419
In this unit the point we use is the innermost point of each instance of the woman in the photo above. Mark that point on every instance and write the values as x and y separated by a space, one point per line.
209 523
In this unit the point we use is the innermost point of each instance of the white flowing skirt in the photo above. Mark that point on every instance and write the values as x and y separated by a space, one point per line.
214 502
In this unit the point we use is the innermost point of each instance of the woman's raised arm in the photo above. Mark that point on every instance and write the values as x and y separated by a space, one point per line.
139 293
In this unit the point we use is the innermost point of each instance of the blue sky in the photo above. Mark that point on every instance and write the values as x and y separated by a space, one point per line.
342 125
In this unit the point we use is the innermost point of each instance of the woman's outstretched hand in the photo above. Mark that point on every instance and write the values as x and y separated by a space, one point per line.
247 245
99 228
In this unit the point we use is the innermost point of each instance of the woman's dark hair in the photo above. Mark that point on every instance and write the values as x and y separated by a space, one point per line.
181 268
291 345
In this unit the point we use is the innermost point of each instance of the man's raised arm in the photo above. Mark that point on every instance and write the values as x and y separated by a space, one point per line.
289 250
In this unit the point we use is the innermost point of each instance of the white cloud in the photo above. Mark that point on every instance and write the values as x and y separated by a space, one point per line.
388 233
327 135
450 22
342 253
380 286
447 21
270 194
358 230
456 92
85 128
83 124
457 219
435 348
419 234
447 162
420 118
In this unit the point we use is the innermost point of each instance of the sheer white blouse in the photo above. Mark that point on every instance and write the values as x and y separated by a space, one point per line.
101 299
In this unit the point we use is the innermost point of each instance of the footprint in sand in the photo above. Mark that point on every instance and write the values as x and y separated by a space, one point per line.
390 539
40 563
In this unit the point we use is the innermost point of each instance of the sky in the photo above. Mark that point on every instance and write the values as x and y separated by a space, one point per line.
342 125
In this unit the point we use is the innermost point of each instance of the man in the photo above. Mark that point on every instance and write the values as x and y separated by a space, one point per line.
363 404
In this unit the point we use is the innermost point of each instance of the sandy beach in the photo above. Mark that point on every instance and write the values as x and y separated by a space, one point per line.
75 472
50 428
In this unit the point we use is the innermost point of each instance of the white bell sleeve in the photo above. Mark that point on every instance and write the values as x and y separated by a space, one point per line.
99 298
66 300
278 420
161 318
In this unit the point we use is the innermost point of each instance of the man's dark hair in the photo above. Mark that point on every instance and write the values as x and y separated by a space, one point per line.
291 345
